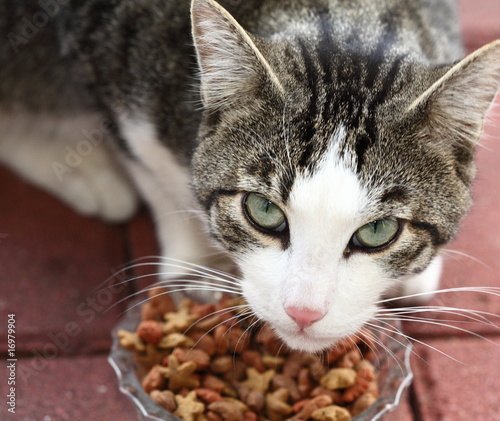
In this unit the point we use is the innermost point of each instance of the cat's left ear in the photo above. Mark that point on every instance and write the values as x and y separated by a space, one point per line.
456 104
232 67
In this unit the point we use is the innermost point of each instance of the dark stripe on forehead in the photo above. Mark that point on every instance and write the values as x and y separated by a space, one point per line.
388 84
369 125
328 50
363 142
309 115
310 75
379 82
394 194
378 56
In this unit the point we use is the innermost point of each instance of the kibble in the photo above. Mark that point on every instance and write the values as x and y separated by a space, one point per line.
201 364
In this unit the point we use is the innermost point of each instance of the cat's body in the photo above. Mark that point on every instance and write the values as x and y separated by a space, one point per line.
340 114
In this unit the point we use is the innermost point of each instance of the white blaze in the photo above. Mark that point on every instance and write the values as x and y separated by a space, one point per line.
324 210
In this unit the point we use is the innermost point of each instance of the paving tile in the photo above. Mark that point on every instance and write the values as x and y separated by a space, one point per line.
76 389
480 22
447 390
51 259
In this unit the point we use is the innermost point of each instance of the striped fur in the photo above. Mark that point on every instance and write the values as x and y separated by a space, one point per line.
283 98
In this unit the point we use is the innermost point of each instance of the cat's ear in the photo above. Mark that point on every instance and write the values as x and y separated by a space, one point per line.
232 67
456 104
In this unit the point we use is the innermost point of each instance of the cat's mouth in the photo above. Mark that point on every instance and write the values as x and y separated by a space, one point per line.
305 339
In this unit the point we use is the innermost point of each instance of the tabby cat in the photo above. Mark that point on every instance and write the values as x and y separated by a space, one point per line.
327 145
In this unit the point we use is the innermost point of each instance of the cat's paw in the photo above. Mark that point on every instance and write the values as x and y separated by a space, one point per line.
65 158
101 191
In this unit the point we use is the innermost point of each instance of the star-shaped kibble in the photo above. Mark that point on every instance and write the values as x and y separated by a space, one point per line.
180 375
175 339
188 408
258 381
131 341
150 356
277 403
179 321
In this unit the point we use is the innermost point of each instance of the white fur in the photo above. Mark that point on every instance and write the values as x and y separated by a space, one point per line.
57 155
418 288
324 211
165 185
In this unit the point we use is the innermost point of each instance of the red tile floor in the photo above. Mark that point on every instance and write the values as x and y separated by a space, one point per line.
51 260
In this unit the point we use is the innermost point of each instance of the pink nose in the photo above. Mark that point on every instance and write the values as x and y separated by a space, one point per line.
304 317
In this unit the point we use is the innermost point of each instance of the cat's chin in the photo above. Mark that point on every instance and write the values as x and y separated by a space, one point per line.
306 342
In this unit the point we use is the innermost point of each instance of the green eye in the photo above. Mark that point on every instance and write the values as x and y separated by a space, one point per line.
264 213
376 233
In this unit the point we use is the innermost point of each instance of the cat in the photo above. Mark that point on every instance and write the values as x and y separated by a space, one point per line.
326 145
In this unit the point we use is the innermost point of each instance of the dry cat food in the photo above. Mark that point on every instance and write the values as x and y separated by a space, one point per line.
201 363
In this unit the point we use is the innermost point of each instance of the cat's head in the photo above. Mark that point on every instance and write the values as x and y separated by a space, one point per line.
331 176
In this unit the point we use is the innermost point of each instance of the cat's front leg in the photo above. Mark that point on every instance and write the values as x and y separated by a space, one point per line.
164 183
188 255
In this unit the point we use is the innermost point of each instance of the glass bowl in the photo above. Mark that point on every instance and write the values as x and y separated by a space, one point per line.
393 365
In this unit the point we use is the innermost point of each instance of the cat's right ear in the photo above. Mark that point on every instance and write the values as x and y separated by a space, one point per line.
231 65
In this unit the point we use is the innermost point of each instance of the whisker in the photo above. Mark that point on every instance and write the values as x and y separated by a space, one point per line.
191 272
257 320
436 323
207 286
286 135
163 260
136 263
166 282
387 333
179 288
462 254
370 347
476 316
219 312
197 274
416 340
195 211
204 269
248 314
484 290
222 312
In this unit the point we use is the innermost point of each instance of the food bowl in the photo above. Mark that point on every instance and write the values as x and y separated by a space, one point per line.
392 364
